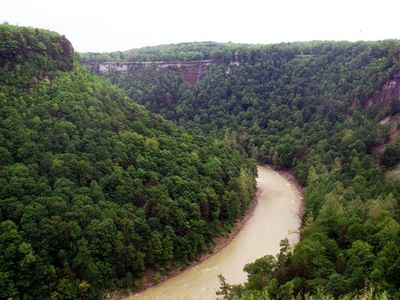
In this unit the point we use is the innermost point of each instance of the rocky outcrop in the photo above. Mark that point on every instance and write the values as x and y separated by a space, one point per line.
191 71
389 93
386 105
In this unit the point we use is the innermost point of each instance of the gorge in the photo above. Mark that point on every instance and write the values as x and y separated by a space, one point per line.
113 164
277 216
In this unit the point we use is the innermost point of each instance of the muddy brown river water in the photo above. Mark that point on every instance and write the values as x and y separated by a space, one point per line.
275 217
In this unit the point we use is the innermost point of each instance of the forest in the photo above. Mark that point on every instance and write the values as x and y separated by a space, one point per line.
105 179
305 107
94 189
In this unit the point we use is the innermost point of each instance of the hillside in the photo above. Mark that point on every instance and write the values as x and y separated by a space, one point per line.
94 189
312 107
269 92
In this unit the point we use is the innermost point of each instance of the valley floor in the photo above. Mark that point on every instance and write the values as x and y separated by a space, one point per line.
276 216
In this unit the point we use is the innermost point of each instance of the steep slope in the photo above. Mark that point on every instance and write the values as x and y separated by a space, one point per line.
93 188
28 54
301 106
384 107
190 71
275 94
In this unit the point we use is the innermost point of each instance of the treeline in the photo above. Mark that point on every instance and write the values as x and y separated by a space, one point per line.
94 189
182 51
304 106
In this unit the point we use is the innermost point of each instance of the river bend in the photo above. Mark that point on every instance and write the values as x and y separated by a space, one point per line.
275 217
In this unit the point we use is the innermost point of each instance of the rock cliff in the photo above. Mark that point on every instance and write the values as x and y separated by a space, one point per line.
191 71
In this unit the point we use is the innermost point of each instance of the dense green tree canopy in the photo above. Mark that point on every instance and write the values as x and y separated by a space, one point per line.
304 106
279 101
94 189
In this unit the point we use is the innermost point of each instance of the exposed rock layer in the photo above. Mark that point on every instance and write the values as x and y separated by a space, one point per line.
191 71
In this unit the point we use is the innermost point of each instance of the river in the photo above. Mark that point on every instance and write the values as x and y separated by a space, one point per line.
275 217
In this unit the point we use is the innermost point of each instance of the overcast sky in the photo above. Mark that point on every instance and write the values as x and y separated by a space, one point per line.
121 25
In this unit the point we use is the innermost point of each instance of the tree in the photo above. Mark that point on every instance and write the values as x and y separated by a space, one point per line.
224 289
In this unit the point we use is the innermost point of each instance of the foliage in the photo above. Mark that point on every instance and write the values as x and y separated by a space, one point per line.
28 54
172 52
281 104
93 188
302 106
391 154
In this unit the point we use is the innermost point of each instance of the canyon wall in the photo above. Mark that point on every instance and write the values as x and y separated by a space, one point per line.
191 71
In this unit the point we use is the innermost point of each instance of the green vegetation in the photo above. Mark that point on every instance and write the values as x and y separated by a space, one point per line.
391 155
172 52
301 106
93 188
28 55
